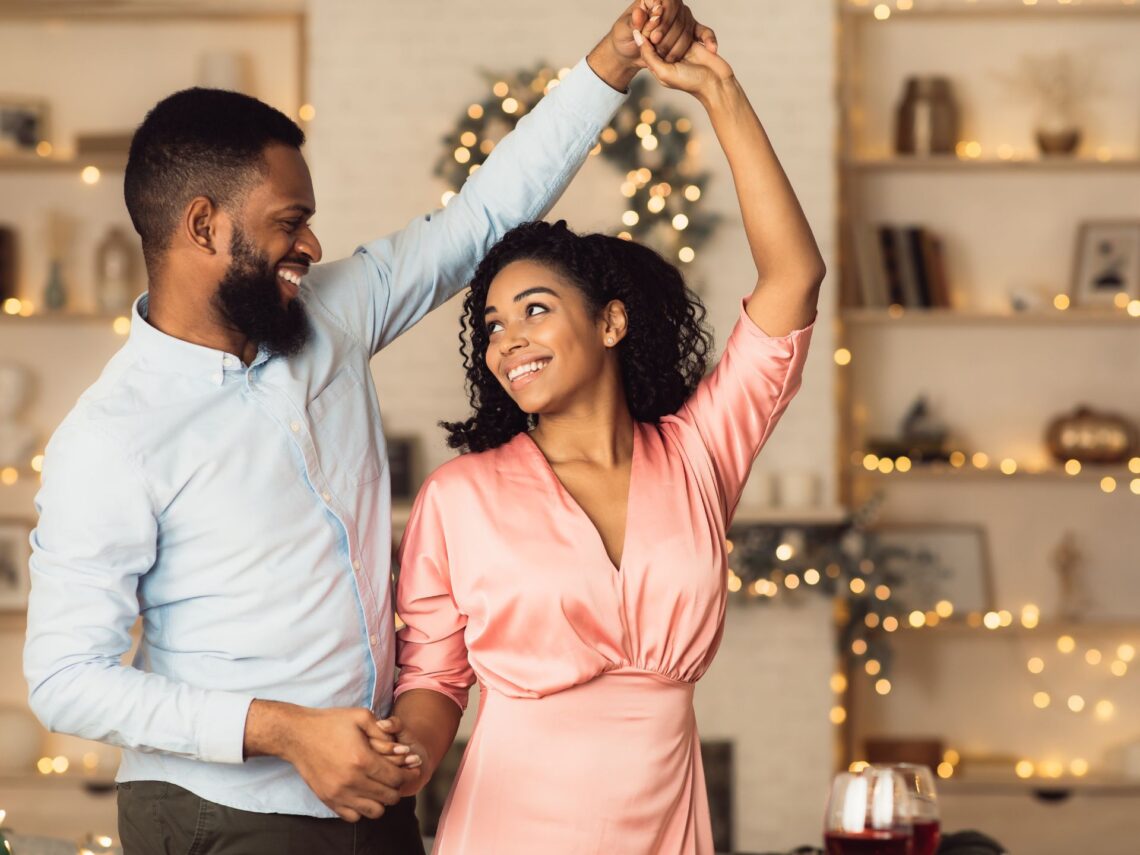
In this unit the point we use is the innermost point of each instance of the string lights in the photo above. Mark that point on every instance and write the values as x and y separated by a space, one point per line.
653 148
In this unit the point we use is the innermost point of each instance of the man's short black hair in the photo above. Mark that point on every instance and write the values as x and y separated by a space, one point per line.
197 142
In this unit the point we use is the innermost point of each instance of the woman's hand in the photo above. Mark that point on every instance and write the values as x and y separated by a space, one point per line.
401 748
699 72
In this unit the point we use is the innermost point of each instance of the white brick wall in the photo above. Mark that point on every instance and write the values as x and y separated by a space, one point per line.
389 79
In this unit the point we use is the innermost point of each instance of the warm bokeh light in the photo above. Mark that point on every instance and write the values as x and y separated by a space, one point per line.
872 667
90 175
944 609
1008 466
1073 467
883 686
842 356
1076 703
1126 652
1066 644
1036 665
1105 710
1061 302
917 619
307 113
890 624
838 715
1030 616
1108 484
838 682
1041 700
1079 768
1118 668
858 586
991 620
859 646
952 757
1024 769
1093 656
945 770
980 460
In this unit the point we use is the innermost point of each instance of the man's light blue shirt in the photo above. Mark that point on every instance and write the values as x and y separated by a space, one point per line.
244 511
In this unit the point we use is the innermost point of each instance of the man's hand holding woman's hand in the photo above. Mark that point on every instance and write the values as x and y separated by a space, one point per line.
667 25
333 751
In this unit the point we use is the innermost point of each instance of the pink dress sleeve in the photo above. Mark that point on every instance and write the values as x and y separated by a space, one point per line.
430 649
735 408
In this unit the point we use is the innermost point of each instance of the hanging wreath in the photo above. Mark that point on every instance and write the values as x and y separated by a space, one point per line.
651 146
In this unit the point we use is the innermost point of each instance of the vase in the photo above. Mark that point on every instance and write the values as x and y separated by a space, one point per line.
1057 134
55 292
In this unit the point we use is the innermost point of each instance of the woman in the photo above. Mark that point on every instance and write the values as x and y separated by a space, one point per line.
574 560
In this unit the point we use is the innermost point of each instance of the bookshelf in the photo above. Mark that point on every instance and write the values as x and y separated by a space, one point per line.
1008 219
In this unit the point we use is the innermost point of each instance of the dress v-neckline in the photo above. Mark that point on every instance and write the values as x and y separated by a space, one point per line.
634 454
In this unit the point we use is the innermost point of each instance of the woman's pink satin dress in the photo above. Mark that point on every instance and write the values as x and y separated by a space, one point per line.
585 741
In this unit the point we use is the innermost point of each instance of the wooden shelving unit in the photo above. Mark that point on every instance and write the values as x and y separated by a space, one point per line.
974 318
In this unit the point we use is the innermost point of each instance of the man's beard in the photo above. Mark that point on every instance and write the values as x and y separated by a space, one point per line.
249 300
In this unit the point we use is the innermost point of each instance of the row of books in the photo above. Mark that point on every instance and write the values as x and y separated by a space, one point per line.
900 265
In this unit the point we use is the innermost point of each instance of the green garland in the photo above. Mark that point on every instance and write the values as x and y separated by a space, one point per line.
652 147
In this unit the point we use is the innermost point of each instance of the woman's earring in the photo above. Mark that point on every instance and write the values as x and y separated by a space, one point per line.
609 341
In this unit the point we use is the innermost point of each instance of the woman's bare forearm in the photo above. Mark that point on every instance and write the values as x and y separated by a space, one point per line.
788 262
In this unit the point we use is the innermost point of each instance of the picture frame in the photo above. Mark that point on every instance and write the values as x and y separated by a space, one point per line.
1106 263
14 554
938 561
23 125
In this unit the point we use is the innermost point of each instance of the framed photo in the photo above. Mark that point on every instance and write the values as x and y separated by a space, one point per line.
938 562
1107 263
23 125
14 554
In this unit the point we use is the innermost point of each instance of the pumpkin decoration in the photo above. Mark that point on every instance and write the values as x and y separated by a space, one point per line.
1091 437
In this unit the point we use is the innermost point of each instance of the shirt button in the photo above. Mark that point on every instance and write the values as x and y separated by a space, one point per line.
356 565
326 495
374 640
228 361
217 378
295 427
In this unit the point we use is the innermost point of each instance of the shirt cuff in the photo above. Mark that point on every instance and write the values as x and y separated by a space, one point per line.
587 96
221 735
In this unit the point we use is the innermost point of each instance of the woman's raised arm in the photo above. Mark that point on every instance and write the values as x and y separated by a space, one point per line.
788 263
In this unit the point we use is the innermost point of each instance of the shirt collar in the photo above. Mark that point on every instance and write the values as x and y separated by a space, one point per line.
181 357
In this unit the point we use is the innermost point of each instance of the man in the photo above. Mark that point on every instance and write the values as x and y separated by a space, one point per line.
226 478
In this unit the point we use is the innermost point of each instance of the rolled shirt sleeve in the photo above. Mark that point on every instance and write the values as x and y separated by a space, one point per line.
97 535
431 649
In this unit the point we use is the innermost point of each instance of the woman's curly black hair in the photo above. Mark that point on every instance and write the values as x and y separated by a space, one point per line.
662 356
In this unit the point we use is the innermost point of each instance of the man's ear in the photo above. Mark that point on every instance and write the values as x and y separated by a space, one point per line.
200 225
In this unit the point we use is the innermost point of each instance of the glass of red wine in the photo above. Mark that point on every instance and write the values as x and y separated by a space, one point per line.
868 813
923 799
